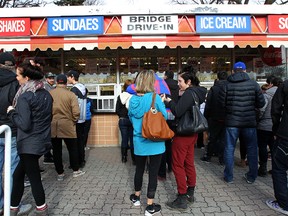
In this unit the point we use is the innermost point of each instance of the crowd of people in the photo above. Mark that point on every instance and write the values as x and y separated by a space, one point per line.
43 114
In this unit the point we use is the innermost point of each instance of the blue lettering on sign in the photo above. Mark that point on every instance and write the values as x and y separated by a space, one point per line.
75 25
223 24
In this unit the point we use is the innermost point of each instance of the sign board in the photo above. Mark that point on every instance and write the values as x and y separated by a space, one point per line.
75 25
278 24
223 24
150 24
14 26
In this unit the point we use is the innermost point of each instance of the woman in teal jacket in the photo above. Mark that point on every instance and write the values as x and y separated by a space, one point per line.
144 148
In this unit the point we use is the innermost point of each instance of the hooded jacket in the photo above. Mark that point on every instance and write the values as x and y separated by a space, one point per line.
265 119
240 98
138 106
174 88
8 88
279 111
79 90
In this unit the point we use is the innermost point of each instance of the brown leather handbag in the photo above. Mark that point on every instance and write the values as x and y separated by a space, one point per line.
154 125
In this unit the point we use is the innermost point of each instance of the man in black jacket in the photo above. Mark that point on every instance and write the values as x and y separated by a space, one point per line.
8 88
279 114
240 98
215 116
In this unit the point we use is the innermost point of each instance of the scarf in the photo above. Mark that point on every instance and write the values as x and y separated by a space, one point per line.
30 85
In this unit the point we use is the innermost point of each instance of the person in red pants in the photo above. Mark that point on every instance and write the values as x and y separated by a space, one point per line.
183 146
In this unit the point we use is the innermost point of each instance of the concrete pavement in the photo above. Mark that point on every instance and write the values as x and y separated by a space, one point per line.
108 183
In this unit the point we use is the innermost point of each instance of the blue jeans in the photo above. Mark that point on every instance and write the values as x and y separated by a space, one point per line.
249 137
279 169
14 162
126 130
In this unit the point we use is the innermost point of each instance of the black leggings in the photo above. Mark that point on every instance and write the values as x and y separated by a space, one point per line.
153 168
28 165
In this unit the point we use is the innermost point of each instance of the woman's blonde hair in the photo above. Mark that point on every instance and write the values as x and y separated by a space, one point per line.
127 83
145 82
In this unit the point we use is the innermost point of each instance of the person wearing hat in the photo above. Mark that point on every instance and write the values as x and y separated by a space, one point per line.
65 115
240 97
79 90
8 88
49 81
49 85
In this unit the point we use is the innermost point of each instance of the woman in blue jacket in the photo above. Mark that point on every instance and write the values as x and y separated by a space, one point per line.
31 113
145 149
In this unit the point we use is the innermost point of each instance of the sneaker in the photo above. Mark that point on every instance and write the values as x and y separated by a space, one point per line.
275 206
180 203
27 183
24 209
206 159
249 181
60 177
135 200
48 161
229 182
152 209
42 211
78 173
86 148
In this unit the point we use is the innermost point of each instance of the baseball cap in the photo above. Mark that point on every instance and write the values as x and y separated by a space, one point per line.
61 79
7 59
239 65
49 74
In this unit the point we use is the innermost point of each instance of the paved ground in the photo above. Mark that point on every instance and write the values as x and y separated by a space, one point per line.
107 184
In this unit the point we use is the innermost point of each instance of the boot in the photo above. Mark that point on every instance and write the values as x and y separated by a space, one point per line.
14 212
262 171
124 155
190 194
132 156
180 203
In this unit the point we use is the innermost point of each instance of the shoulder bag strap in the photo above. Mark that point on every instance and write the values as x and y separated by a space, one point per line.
153 100
195 97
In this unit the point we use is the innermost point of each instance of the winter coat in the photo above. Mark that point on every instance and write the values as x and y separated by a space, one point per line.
265 119
186 101
213 109
65 113
122 104
32 116
240 98
138 106
279 111
174 88
8 88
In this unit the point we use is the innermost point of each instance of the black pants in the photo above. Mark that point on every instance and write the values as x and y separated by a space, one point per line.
216 142
28 165
166 159
87 126
71 144
154 164
80 142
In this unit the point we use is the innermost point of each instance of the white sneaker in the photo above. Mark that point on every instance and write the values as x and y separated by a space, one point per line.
60 177
78 173
24 209
273 204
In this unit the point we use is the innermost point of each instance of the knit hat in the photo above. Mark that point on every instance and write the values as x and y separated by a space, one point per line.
61 79
7 59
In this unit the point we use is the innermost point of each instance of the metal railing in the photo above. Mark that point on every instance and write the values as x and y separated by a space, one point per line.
7 168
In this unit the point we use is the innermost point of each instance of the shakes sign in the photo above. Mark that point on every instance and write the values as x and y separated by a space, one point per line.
14 26
150 24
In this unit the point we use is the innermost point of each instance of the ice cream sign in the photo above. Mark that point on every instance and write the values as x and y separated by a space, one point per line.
223 24
75 25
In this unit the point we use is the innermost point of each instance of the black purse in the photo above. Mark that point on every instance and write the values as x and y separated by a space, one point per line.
193 121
